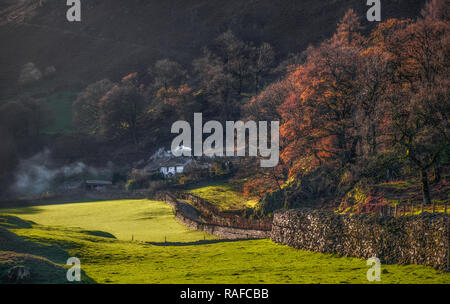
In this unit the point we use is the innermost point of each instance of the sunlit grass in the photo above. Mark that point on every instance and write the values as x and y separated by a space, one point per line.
185 258
113 261
141 220
225 196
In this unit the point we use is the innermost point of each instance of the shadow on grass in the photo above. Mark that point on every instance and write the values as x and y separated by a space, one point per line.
21 211
45 259
145 216
99 233
12 222
201 242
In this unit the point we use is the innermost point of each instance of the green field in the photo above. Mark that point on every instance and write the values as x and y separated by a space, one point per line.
224 195
99 234
142 220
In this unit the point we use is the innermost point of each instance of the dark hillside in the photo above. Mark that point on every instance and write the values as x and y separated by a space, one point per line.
116 37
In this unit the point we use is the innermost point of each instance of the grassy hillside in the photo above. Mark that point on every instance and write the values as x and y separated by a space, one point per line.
60 104
224 195
106 259
45 262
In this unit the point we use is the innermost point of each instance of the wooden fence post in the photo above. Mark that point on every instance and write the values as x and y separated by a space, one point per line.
434 207
448 243
421 211
395 210
446 218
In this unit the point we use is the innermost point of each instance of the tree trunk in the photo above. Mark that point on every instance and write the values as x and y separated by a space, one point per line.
374 141
425 187
437 174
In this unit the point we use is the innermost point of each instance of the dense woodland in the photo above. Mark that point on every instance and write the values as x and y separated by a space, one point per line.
360 108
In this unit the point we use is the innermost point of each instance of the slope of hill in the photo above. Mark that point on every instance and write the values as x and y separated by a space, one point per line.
117 37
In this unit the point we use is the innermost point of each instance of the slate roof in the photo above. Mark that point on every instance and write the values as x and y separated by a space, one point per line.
167 162
98 182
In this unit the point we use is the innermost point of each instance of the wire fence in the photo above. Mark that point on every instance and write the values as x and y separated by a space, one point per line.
410 208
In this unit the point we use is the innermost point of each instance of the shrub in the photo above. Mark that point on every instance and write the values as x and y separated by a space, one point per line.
118 177
131 185
157 176
271 202
383 167
156 186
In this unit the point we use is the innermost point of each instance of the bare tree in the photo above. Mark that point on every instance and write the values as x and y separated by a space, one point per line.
121 109
167 73
85 109
263 59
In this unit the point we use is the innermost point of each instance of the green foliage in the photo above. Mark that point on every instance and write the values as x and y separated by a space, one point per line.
356 196
271 202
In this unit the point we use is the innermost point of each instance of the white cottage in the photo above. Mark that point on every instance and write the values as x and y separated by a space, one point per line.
174 166
169 166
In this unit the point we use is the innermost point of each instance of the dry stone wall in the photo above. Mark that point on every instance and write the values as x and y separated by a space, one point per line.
420 239
189 216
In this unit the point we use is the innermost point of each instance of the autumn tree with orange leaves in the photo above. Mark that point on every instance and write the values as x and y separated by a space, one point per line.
356 98
417 107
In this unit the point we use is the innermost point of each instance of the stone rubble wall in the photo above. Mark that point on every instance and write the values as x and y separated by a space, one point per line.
422 240
189 217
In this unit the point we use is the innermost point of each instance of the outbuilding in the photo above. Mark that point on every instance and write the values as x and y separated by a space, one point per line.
97 184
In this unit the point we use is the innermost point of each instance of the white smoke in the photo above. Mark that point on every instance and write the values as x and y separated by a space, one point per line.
38 174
